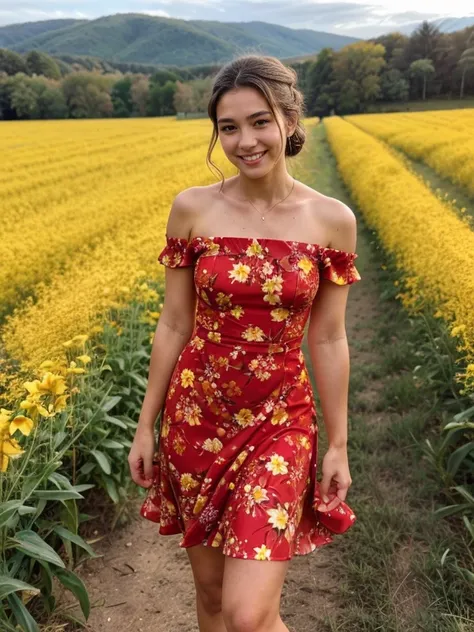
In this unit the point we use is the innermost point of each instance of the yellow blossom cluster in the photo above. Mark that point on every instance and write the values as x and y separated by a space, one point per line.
443 140
85 204
432 246
45 398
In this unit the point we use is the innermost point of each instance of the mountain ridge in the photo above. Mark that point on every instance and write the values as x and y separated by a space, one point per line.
140 38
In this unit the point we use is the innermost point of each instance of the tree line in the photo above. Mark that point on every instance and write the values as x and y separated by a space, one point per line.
388 69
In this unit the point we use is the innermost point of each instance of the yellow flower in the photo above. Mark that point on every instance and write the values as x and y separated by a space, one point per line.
279 416
277 465
274 284
279 314
200 502
212 445
192 415
52 383
272 299
240 272
237 311
188 482
305 264
23 424
85 359
278 517
187 378
262 553
9 449
259 494
255 249
244 417
73 368
253 334
214 336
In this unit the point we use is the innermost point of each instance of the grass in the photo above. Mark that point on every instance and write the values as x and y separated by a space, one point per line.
422 106
391 575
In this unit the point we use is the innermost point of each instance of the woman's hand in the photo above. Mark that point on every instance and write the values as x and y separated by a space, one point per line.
336 478
140 457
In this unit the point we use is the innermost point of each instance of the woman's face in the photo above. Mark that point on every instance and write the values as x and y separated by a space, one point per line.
247 129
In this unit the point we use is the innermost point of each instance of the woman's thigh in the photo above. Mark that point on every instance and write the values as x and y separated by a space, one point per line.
207 564
251 592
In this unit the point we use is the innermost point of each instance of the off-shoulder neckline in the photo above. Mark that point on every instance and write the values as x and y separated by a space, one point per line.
265 239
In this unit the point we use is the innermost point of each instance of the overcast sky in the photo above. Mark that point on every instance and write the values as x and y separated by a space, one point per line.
360 18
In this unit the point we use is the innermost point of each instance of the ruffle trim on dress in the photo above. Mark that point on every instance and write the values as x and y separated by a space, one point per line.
335 265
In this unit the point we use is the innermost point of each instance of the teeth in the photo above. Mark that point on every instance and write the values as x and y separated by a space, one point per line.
253 157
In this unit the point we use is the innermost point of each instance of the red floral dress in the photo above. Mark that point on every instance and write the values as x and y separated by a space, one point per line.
236 463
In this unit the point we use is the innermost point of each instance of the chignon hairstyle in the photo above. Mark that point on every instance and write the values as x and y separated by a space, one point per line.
275 81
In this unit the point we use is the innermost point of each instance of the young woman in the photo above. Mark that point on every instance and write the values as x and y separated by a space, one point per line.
249 262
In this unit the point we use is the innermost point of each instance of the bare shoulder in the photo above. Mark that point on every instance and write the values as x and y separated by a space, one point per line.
339 219
183 212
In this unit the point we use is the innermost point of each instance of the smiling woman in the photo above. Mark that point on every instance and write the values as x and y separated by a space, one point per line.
235 468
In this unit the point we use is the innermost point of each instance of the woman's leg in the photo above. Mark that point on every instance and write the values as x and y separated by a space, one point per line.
207 564
251 595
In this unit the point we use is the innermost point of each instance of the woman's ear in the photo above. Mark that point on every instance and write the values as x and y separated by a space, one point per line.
291 124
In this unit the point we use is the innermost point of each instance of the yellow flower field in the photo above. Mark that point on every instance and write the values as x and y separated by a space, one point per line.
84 210
443 140
430 243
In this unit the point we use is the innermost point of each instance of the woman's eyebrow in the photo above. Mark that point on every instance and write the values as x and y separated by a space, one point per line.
231 120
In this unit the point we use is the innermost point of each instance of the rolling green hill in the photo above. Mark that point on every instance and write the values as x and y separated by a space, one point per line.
136 37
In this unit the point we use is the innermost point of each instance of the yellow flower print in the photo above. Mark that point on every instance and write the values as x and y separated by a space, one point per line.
240 272
279 416
212 445
192 415
248 488
305 442
200 502
277 465
223 300
267 268
217 541
197 343
278 518
303 376
279 314
188 482
272 299
262 553
259 494
255 249
237 312
214 336
274 284
187 378
244 417
253 334
305 264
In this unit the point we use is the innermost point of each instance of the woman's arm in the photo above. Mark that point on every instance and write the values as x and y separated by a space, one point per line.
176 321
329 352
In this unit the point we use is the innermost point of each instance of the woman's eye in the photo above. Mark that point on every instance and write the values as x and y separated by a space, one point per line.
226 128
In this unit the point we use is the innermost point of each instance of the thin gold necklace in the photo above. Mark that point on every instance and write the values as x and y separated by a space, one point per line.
262 217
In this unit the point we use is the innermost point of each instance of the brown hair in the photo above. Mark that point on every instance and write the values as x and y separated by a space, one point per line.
274 80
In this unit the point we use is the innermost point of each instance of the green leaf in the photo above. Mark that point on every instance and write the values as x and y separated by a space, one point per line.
56 494
10 585
111 444
111 402
21 614
8 509
58 438
138 379
73 583
102 460
465 494
116 421
30 543
458 456
47 578
111 488
450 510
469 526
65 534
